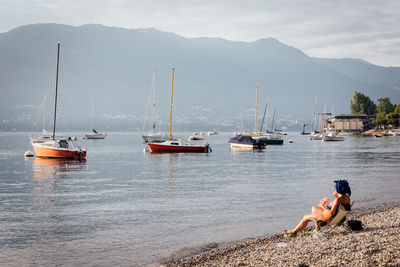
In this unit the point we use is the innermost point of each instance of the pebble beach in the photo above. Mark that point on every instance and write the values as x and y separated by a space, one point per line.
378 244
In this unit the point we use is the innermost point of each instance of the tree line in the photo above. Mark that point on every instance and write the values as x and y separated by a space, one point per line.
385 112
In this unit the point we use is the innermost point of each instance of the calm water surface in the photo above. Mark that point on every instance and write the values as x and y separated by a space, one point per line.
125 207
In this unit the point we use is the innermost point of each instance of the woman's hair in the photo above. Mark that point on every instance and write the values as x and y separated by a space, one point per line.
343 187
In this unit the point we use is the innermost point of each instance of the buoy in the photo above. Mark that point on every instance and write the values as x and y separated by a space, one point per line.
28 154
83 138
74 138
290 141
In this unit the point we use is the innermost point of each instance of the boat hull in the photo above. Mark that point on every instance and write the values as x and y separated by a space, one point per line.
157 138
244 146
95 136
333 139
178 148
272 141
51 152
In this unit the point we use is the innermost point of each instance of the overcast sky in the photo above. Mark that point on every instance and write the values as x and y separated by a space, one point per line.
367 29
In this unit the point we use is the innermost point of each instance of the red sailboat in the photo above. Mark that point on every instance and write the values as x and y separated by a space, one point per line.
176 144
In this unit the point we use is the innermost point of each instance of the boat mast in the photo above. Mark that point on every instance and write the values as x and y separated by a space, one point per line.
55 99
256 110
93 118
273 121
314 125
265 111
170 113
154 102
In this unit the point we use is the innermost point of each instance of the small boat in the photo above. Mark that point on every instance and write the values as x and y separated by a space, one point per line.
316 136
331 136
269 138
394 132
263 138
196 137
44 137
176 144
245 142
303 132
58 148
51 147
155 137
95 135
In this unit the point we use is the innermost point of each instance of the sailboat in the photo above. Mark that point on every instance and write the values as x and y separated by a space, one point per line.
94 134
53 147
266 138
176 144
153 135
315 135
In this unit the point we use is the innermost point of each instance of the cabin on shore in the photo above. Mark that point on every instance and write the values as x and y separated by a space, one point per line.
349 123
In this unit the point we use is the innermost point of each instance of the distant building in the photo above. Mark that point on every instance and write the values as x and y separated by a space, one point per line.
350 123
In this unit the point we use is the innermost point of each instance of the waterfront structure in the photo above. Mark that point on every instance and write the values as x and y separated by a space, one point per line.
349 123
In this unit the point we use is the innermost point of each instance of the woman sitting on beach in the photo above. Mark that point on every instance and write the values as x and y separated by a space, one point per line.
322 212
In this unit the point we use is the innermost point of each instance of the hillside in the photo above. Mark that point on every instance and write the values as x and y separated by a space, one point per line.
214 80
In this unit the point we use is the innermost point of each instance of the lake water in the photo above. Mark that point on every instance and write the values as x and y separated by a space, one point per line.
125 207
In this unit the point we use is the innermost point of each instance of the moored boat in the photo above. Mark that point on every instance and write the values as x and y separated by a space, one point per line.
176 144
57 148
316 136
50 146
245 142
95 135
268 138
331 136
155 138
196 137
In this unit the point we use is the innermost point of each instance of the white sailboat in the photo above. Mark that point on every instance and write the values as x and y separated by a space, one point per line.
331 136
315 135
94 134
153 135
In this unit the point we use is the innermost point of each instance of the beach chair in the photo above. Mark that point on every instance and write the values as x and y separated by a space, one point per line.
338 219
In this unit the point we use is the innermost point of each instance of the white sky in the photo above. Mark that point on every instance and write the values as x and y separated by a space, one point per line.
367 29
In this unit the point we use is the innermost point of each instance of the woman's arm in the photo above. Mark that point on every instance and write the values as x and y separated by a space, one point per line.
335 204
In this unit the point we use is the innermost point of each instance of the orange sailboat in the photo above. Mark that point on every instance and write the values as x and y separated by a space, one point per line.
52 147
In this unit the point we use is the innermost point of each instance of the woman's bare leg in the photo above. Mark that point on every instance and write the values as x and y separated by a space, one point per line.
314 216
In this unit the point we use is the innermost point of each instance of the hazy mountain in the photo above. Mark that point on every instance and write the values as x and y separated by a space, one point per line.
215 79
364 71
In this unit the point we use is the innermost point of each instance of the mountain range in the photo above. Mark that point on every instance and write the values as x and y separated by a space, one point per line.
214 86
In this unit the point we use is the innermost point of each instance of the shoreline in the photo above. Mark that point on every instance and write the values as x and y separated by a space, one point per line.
378 244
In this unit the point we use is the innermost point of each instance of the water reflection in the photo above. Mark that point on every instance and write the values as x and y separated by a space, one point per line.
44 168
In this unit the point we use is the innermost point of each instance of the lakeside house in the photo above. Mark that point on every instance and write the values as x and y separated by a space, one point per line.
349 123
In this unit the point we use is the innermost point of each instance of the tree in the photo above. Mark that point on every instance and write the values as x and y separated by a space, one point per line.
381 119
362 104
385 106
397 109
394 117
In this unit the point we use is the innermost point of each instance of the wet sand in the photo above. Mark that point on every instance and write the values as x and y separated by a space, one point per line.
378 244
